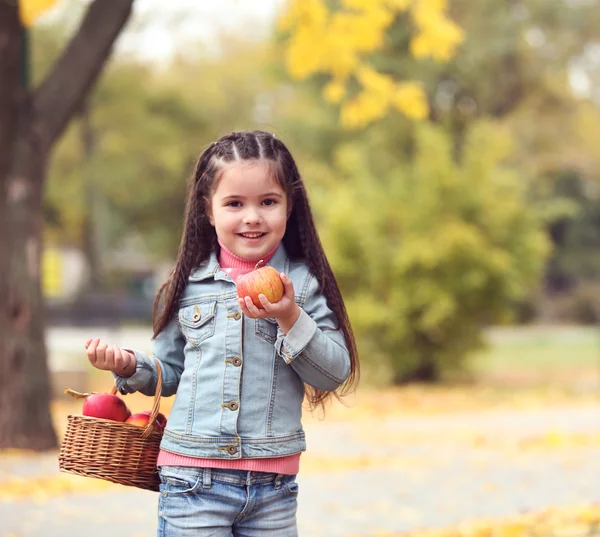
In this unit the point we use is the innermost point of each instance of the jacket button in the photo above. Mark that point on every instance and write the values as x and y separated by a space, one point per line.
237 361
233 405
237 315
232 450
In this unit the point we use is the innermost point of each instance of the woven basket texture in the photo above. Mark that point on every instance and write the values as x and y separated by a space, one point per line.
112 450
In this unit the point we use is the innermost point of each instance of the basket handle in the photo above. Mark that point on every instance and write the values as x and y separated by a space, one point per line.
156 406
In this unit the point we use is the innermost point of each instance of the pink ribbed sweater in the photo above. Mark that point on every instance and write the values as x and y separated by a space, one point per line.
236 266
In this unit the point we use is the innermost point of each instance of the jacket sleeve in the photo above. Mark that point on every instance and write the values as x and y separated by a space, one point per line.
168 349
315 346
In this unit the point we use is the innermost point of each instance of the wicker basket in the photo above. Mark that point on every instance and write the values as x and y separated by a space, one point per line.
113 450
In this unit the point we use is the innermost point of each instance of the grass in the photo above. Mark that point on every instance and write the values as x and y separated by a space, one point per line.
540 354
542 347
522 367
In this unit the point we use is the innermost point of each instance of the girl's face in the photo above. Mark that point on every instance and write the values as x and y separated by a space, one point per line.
248 210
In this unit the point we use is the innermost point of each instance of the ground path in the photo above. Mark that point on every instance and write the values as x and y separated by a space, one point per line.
377 474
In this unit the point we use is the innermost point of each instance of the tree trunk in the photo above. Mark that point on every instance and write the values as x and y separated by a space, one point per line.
25 386
24 382
30 124
92 250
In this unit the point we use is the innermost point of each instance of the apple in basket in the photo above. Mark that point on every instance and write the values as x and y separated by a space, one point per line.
262 280
160 418
141 419
102 405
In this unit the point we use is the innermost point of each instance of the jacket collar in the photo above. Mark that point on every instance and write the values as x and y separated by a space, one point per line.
211 269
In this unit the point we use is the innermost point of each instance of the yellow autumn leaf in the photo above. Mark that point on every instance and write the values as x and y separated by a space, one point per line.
411 100
30 10
438 41
335 91
400 5
375 82
340 41
43 488
362 109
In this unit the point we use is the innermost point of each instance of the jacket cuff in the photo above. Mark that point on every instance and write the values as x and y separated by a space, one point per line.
144 372
291 345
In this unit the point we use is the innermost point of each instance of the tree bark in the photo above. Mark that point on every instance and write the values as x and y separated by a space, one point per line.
91 234
29 127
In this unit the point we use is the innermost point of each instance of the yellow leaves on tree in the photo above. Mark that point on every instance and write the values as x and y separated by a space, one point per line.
30 10
338 43
437 35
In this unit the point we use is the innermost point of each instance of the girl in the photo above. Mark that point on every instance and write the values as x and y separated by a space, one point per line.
231 448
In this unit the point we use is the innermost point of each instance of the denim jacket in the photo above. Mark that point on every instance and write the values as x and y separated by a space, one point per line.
239 381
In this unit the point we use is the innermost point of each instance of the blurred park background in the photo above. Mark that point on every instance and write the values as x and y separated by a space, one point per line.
450 149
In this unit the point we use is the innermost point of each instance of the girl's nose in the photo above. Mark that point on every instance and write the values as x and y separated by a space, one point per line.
252 216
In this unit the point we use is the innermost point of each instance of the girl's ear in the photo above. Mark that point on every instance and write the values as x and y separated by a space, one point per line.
208 206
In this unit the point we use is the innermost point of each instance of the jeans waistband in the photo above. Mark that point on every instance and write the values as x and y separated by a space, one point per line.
233 477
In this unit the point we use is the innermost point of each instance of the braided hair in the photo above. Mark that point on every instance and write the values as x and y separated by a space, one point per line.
301 239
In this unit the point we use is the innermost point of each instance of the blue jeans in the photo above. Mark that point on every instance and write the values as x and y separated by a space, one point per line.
226 503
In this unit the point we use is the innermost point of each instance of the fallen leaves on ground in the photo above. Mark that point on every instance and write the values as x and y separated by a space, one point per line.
580 521
43 488
374 432
423 399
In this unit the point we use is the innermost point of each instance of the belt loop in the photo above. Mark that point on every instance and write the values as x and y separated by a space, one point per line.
206 481
278 479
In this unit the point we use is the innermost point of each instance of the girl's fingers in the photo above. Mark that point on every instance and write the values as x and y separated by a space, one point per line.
109 357
100 353
127 357
265 302
246 308
91 350
87 343
243 307
288 286
118 356
251 307
122 359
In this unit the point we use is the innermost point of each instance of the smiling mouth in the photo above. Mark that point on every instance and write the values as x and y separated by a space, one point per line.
252 235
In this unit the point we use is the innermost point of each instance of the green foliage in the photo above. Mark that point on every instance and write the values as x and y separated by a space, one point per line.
433 251
144 140
433 231
148 127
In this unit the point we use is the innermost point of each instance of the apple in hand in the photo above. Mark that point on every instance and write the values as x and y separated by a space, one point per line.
262 280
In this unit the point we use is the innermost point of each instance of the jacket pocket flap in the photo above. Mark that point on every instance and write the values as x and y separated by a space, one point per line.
197 315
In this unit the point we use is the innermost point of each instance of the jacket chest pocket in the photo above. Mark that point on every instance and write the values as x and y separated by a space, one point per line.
198 321
266 329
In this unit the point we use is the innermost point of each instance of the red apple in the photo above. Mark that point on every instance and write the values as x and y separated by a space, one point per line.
160 418
102 405
262 280
141 419
105 405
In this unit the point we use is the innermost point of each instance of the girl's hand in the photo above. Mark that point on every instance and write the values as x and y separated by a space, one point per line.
285 312
112 358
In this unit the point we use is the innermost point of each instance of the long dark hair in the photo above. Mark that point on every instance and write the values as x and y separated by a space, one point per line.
301 239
